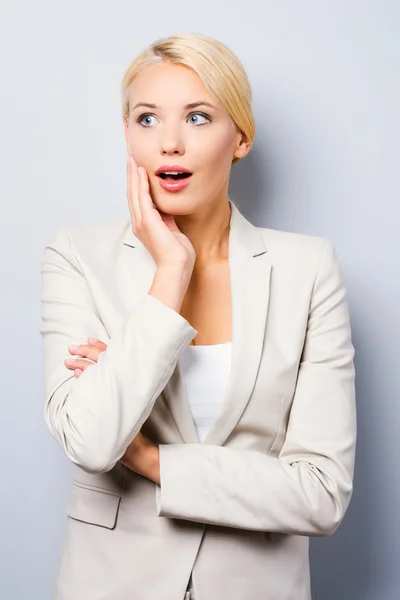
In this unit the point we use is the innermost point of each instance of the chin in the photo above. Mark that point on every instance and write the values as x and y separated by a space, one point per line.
174 203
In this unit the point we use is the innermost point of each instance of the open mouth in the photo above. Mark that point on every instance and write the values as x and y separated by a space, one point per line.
174 176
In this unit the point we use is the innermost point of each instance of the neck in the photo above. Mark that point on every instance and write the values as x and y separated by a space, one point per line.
208 231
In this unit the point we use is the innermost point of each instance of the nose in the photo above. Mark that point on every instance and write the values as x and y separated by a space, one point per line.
171 141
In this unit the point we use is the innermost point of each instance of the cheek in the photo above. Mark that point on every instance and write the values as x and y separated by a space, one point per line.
218 146
140 149
215 158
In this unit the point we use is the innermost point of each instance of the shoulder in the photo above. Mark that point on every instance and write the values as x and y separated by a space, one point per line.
301 256
102 237
288 245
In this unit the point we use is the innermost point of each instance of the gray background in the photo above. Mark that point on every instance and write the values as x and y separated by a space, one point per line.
325 78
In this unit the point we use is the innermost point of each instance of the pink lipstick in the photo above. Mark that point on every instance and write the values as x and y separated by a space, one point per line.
173 178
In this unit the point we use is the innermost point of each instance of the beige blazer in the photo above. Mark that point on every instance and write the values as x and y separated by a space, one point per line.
277 463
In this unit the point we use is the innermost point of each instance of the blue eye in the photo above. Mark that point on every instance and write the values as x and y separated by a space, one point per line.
195 119
197 115
145 117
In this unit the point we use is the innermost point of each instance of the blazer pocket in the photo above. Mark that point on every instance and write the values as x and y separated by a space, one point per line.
95 506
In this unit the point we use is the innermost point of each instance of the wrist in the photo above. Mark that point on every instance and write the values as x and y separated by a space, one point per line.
170 285
153 472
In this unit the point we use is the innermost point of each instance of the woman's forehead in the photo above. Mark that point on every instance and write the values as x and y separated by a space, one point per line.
167 84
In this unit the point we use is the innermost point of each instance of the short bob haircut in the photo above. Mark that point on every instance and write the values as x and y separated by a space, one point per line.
219 69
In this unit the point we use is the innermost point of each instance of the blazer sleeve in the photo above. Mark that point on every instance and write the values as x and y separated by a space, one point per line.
95 417
307 489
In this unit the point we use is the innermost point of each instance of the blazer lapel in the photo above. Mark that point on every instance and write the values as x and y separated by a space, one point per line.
138 269
250 271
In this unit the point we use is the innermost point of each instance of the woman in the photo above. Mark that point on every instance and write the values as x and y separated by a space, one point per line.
208 397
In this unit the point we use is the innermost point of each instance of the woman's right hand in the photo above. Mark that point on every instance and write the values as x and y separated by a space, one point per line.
155 229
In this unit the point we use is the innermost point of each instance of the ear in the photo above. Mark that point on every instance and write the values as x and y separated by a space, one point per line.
126 131
243 146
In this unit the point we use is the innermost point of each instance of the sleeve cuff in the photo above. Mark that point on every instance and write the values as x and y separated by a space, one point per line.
170 494
160 317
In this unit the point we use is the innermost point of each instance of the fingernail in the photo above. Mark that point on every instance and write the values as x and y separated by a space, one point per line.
92 340
128 160
73 348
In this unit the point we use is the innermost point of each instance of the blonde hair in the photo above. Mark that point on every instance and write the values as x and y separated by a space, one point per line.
218 67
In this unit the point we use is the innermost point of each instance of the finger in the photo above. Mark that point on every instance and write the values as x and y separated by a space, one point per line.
145 200
77 363
99 344
85 350
78 372
83 358
133 183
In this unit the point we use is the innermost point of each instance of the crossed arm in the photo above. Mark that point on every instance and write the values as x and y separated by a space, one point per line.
97 416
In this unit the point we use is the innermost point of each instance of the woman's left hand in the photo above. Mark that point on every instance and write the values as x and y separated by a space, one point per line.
141 455
87 355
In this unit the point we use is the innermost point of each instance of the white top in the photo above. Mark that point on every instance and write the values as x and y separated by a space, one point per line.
205 371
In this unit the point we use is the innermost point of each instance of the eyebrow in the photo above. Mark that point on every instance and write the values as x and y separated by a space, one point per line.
186 107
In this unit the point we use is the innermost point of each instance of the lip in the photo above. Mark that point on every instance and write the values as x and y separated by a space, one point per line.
174 186
172 168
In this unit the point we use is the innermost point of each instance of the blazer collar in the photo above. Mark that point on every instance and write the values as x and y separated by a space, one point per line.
244 238
250 273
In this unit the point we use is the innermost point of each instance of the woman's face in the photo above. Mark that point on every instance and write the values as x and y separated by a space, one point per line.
201 138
